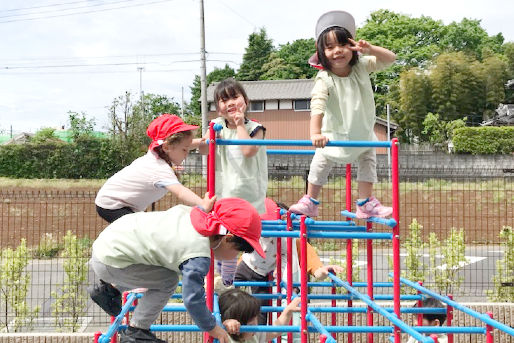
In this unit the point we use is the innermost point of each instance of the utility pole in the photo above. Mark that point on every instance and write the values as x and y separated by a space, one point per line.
141 94
203 71
182 104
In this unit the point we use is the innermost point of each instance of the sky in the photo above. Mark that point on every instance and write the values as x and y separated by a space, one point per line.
69 55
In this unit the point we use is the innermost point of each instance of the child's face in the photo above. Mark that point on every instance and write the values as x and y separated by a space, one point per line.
178 152
339 55
225 250
247 335
228 107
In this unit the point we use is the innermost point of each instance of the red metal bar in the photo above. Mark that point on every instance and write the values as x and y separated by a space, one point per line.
125 295
97 336
449 318
349 260
289 269
334 315
322 338
211 182
489 330
435 338
303 274
420 304
396 236
279 274
369 253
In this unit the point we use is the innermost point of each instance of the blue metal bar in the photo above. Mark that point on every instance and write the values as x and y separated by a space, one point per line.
384 221
309 222
391 317
293 142
351 235
294 234
318 326
344 228
106 337
430 310
482 317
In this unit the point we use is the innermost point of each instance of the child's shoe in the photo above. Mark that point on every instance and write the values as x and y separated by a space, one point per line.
371 207
107 297
306 206
137 335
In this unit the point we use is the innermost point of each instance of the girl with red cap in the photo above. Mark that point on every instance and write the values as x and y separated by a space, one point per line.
151 249
150 177
241 170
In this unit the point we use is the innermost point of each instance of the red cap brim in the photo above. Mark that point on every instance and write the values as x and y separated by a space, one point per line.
314 62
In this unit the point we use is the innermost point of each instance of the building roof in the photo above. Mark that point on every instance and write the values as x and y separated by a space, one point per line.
504 116
272 89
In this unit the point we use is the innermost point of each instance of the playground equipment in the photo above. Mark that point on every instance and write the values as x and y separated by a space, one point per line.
302 228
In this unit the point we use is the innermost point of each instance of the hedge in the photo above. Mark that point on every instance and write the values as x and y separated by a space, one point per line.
88 158
484 140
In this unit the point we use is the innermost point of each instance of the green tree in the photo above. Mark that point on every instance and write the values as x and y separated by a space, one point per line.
415 268
256 56
218 74
45 134
493 74
440 132
80 125
14 287
415 97
70 302
504 277
290 61
455 85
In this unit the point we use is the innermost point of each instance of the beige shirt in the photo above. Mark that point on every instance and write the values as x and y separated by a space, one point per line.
161 238
441 338
347 106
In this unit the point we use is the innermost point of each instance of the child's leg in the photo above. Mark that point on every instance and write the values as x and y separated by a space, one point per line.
368 205
318 176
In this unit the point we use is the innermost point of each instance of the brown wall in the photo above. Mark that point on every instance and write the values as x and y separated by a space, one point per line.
290 124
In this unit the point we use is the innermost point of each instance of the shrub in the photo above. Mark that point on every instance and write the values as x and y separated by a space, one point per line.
504 278
484 140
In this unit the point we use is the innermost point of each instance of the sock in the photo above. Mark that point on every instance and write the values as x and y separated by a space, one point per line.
314 201
361 202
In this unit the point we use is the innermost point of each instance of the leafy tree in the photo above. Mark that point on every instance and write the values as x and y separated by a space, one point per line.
504 277
44 135
455 86
493 74
256 56
414 245
70 303
415 98
438 131
218 74
290 61
80 125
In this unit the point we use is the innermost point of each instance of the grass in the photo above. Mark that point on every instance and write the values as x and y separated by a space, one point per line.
50 183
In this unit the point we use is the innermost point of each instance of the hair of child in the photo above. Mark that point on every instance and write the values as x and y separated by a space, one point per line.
239 305
434 303
343 37
240 243
171 140
229 89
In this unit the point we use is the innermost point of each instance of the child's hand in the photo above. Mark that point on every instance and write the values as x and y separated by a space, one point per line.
239 116
318 140
232 326
360 46
322 272
207 203
293 306
219 334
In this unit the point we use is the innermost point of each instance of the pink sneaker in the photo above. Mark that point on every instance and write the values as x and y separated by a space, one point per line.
373 208
305 206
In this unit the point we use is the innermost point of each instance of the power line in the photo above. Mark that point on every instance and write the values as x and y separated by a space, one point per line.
43 6
86 12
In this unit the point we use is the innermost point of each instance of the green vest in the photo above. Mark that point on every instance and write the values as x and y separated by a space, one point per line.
239 176
162 238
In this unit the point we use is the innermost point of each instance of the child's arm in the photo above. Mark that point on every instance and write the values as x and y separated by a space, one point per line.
188 197
248 150
383 55
285 317
198 143
194 271
318 107
318 140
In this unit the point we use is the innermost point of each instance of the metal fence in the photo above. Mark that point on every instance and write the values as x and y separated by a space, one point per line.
440 196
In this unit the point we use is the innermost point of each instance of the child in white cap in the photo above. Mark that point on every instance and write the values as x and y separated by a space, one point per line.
343 109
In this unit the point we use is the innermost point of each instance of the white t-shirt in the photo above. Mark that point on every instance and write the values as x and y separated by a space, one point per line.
259 337
137 185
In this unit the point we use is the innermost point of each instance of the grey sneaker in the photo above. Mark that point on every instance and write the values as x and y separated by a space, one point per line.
137 335
107 297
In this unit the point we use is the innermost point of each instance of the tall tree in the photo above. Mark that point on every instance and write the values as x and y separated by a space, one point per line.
218 74
493 74
256 55
290 61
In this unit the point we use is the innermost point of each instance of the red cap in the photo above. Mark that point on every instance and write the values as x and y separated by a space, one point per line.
271 210
164 126
234 215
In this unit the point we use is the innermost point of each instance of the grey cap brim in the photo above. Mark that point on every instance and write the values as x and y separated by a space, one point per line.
335 18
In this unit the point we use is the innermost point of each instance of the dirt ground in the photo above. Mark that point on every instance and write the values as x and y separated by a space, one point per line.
31 213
